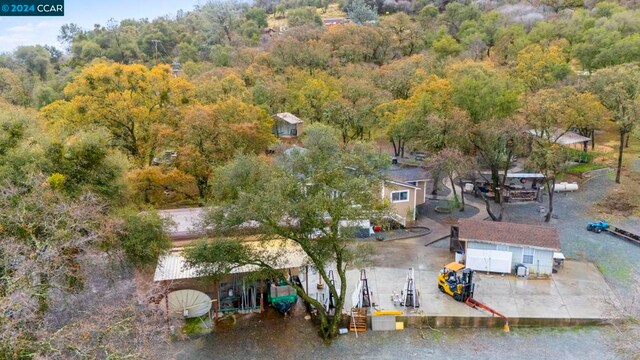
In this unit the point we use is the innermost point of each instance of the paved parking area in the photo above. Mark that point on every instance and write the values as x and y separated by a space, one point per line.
577 291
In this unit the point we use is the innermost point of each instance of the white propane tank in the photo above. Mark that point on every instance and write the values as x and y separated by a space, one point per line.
566 186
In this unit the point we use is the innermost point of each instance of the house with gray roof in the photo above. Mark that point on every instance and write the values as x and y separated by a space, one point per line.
405 189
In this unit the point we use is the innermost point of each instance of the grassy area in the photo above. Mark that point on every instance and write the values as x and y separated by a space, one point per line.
194 326
579 169
617 270
333 11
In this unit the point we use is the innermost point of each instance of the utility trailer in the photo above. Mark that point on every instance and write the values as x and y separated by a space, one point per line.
625 234
604 226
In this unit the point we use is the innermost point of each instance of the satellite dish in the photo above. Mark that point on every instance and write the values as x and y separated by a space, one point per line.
188 303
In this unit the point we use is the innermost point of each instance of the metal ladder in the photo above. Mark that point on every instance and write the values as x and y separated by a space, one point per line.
366 297
331 305
410 297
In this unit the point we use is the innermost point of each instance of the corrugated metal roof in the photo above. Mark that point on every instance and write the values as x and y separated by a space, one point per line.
173 266
288 117
568 138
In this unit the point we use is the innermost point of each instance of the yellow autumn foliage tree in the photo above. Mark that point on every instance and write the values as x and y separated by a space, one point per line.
538 66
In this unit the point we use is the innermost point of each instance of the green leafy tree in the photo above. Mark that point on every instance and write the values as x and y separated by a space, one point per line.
361 12
144 237
35 59
456 14
509 40
249 189
447 46
490 98
258 16
495 142
68 33
547 113
224 18
618 88
483 91
85 162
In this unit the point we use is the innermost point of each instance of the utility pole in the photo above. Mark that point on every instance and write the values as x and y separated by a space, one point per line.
155 54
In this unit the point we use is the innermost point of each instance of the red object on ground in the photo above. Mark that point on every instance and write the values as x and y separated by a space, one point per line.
377 228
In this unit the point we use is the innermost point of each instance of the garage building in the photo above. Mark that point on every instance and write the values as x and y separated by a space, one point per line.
498 246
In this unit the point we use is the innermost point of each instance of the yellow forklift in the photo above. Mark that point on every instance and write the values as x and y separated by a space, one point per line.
456 281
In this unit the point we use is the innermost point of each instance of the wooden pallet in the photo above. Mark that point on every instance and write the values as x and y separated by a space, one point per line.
358 321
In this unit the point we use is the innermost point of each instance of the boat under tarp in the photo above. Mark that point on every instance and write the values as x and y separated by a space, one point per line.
282 297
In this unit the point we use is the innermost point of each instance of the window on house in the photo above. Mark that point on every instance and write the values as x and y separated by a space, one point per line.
527 256
502 248
400 196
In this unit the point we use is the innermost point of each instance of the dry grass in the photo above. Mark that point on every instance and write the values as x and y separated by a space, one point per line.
333 11
623 199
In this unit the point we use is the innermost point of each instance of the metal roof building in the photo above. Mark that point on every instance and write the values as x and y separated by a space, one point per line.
279 254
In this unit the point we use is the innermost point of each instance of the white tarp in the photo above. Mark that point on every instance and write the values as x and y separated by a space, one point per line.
489 260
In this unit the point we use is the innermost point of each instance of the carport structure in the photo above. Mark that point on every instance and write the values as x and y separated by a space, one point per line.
240 290
567 138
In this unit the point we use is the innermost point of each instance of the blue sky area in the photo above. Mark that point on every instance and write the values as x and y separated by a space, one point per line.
18 31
